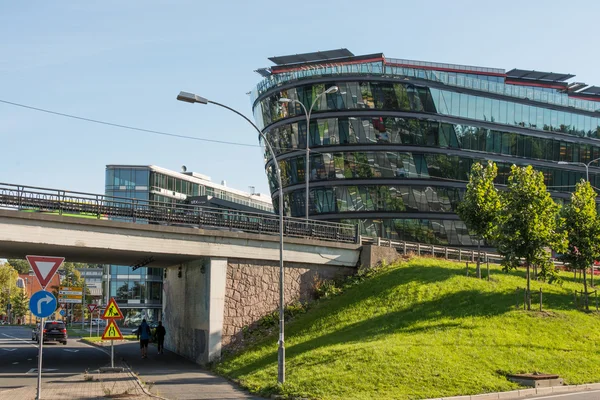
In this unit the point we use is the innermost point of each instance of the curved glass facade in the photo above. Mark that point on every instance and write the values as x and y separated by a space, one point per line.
392 152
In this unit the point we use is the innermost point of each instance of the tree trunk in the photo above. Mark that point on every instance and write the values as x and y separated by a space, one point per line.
585 289
535 272
478 257
528 288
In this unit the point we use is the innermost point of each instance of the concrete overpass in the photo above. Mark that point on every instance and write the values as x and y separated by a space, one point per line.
216 282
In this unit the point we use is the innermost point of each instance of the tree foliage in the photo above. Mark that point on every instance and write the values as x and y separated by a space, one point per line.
22 266
481 205
8 284
20 304
581 225
528 226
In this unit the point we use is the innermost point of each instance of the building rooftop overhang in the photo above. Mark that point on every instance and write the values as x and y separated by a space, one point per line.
310 57
537 75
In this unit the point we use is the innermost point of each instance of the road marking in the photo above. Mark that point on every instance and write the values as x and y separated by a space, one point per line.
21 340
15 363
32 370
71 350
9 349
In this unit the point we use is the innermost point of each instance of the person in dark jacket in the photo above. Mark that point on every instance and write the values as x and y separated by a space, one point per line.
160 337
143 334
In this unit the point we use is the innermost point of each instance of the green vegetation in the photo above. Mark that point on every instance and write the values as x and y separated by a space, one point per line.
96 339
422 329
581 223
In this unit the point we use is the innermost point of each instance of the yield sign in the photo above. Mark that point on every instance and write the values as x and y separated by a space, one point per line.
63 305
92 307
44 268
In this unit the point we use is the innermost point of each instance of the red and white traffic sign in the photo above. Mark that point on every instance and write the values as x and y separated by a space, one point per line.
92 307
63 305
44 268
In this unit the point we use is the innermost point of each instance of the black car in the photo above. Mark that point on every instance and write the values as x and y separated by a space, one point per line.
53 331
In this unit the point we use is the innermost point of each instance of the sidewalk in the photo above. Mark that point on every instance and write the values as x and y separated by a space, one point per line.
92 385
174 377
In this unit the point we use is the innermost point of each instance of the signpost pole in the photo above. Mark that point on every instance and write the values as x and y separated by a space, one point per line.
98 324
112 353
91 323
83 308
39 378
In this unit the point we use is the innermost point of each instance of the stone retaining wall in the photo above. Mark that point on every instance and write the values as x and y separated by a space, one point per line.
252 290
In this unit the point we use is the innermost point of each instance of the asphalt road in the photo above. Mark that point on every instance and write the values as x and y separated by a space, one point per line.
19 354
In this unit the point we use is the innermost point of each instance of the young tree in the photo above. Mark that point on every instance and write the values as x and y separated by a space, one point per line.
481 205
20 304
8 285
582 226
528 224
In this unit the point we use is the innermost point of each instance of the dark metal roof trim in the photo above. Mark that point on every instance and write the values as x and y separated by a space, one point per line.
538 75
309 57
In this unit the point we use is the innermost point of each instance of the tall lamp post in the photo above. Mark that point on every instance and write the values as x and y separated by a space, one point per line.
587 179
332 89
192 98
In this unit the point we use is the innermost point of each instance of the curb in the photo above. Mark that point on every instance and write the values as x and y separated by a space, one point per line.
140 384
524 393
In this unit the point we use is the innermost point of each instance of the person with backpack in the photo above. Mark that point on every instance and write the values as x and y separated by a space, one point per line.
160 337
143 334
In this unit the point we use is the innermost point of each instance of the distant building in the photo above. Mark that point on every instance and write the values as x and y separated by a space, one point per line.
139 292
93 281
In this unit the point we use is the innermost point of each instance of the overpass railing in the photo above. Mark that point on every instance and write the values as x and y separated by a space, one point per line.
87 205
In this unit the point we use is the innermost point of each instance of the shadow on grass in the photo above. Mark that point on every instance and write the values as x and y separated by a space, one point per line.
469 303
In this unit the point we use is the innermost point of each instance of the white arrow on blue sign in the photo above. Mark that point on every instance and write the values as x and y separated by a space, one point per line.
42 304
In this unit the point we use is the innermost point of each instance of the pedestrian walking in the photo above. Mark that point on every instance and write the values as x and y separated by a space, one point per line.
143 334
160 337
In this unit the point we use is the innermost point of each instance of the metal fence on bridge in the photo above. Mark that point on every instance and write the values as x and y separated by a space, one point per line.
87 205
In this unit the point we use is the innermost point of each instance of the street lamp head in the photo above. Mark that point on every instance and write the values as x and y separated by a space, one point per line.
191 98
332 89
285 100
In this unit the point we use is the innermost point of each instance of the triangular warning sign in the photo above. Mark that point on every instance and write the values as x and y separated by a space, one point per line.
92 307
112 332
44 268
112 311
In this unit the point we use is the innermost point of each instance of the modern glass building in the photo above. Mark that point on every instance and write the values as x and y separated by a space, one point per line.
392 148
139 292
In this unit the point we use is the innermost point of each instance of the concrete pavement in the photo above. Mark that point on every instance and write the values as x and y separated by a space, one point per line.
171 376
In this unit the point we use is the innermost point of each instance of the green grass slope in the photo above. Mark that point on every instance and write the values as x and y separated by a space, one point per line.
422 329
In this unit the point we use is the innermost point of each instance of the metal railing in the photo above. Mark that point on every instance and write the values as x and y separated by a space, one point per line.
87 205
449 253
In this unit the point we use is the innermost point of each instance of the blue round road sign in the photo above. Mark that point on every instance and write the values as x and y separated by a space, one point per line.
63 312
42 304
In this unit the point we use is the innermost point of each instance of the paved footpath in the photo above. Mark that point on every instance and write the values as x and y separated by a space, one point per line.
173 377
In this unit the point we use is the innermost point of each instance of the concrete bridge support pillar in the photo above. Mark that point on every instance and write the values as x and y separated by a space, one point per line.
193 304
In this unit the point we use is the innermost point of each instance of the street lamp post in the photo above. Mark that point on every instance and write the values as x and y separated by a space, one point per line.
587 179
332 89
192 98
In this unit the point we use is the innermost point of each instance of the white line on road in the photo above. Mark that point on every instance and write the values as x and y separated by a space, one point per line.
32 370
9 349
564 394
21 340
71 350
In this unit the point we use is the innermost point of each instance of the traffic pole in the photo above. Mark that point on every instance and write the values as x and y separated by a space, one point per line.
39 381
112 353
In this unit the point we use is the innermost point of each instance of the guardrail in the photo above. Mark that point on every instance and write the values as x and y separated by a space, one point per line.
449 253
87 205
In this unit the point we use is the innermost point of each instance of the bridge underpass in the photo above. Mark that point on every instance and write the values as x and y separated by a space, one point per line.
216 283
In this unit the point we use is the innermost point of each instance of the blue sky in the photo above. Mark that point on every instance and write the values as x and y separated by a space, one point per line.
125 62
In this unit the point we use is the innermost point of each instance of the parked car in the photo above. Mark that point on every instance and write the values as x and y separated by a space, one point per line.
52 331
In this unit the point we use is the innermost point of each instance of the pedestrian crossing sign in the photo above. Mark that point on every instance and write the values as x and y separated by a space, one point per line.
112 311
112 332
